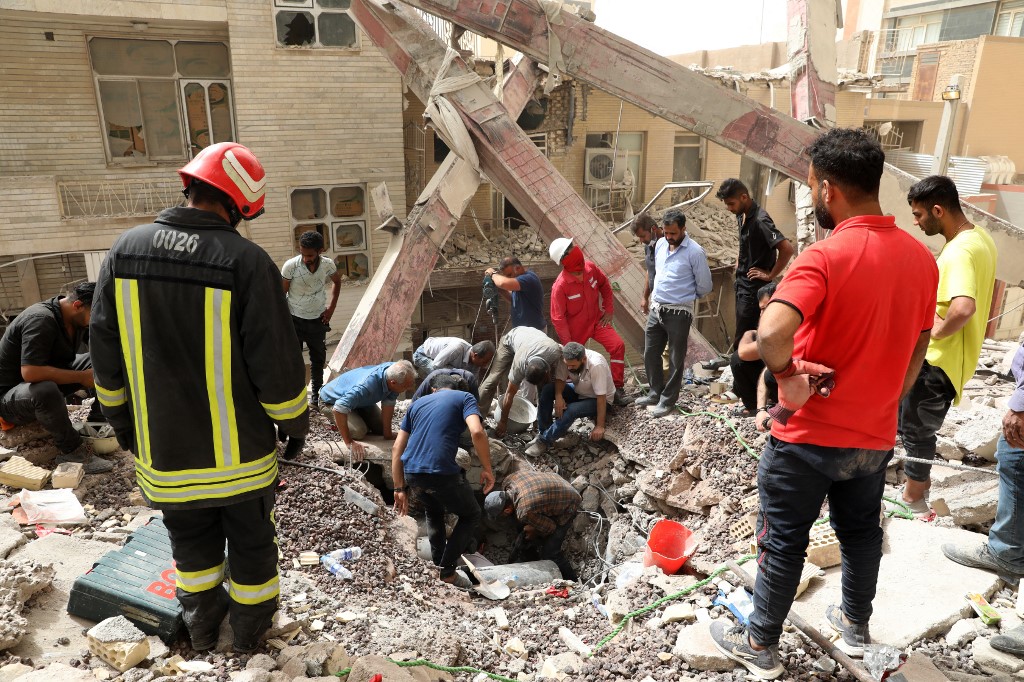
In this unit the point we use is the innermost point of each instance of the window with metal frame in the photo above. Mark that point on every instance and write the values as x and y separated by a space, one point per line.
315 24
1010 20
161 100
686 157
339 214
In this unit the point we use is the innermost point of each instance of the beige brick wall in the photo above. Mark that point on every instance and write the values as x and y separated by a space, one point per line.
313 117
995 99
955 57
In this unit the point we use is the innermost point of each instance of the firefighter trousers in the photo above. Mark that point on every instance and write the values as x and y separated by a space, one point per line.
197 544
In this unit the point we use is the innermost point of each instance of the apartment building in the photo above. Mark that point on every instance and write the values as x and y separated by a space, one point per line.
103 101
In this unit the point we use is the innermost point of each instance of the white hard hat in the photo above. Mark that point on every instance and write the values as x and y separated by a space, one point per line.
559 248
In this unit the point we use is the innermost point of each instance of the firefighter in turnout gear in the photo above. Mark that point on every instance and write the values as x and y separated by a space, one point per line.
196 363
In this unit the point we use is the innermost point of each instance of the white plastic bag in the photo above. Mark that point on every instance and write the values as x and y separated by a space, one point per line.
52 506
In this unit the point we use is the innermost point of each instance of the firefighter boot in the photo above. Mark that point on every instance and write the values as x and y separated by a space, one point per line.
249 627
203 613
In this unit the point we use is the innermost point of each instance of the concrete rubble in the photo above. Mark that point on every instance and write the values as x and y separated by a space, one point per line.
694 469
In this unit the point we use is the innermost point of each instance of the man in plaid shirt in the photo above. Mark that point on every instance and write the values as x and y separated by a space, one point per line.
545 506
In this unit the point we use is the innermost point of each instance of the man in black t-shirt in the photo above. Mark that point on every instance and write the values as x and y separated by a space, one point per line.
764 253
40 367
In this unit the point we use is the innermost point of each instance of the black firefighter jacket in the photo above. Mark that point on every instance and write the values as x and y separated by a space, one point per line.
196 359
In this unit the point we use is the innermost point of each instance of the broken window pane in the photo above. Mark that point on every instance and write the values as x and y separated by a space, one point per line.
161 118
309 204
337 30
122 117
202 60
295 28
115 57
348 237
334 4
220 113
353 268
195 114
346 202
686 164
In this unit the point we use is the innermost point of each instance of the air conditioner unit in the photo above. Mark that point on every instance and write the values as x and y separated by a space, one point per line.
599 164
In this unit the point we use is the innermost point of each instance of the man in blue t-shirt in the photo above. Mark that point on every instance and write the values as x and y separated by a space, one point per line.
523 289
423 463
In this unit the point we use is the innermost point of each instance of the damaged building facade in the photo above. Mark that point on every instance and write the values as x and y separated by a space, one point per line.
103 102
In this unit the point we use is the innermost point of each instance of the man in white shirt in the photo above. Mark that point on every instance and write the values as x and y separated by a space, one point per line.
451 352
305 285
587 393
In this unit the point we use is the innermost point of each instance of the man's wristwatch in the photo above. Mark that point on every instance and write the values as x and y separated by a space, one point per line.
403 489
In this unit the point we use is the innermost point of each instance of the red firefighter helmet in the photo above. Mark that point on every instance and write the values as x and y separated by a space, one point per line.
234 170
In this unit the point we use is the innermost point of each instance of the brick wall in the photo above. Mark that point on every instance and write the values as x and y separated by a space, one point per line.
312 116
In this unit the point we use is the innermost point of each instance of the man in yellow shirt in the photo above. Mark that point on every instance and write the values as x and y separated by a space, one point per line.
967 266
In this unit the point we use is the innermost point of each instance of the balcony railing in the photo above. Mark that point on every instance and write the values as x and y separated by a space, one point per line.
117 198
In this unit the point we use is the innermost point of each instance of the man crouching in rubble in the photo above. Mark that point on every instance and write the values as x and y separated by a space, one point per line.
423 464
587 395
835 425
353 397
545 504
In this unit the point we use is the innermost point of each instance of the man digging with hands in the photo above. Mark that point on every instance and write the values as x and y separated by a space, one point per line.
354 395
423 465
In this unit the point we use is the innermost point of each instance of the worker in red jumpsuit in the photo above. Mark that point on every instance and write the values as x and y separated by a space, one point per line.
582 306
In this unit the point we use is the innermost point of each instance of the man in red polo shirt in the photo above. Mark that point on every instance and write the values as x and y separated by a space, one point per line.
582 307
845 335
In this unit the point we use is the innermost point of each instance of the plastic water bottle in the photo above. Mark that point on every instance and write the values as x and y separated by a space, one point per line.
347 554
335 567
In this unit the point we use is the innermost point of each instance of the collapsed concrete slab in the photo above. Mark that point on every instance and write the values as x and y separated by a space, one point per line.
48 620
19 582
915 599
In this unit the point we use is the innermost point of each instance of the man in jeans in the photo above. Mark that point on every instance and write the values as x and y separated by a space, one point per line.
763 255
967 272
1004 551
40 367
587 394
545 505
870 349
526 354
682 277
423 462
305 283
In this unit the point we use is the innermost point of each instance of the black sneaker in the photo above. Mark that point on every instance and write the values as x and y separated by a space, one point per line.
733 641
979 555
854 636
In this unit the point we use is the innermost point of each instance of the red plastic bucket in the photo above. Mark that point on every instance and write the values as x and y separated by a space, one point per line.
669 545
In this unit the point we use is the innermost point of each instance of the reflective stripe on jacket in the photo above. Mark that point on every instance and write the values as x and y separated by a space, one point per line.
196 359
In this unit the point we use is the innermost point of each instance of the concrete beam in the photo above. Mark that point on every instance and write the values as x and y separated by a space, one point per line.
512 161
387 305
812 61
639 76
679 95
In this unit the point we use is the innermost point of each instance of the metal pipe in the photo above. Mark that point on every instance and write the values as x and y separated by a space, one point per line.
944 463
812 632
705 187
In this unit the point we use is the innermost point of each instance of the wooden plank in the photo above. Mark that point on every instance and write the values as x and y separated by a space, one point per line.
513 162
375 328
